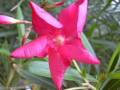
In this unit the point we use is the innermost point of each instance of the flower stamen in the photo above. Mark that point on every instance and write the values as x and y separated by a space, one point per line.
59 40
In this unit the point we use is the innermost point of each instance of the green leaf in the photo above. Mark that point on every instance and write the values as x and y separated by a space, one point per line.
20 27
34 78
86 43
7 33
91 29
4 51
113 78
115 75
110 44
114 59
105 7
41 68
111 84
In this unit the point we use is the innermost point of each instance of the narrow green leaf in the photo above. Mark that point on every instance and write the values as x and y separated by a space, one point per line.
34 78
114 59
113 79
41 68
110 44
86 43
20 27
7 33
91 29
111 84
4 51
115 75
105 7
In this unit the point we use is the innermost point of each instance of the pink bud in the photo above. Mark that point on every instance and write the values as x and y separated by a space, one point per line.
59 3
8 20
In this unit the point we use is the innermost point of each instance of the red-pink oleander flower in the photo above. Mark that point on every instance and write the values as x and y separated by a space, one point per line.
59 39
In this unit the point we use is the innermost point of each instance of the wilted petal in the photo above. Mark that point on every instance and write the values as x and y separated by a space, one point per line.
76 51
82 15
42 20
31 49
8 20
58 66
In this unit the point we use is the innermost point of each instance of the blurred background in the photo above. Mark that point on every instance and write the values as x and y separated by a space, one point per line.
101 37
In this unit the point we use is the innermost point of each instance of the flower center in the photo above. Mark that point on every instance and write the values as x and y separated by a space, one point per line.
59 40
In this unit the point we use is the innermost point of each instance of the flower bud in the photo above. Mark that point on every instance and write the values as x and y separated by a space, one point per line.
59 3
10 20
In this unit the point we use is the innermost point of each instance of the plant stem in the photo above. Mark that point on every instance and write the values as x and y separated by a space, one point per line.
17 5
77 67
86 81
77 88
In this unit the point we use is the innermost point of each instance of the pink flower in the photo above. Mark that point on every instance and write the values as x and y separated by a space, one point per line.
58 39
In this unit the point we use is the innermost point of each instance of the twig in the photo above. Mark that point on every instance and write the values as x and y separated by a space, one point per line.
24 22
17 5
86 81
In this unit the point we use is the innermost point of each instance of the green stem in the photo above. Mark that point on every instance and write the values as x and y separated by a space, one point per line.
86 81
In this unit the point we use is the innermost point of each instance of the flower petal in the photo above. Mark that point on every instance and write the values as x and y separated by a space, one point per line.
58 66
31 49
78 2
42 20
73 17
8 20
82 15
76 51
68 17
